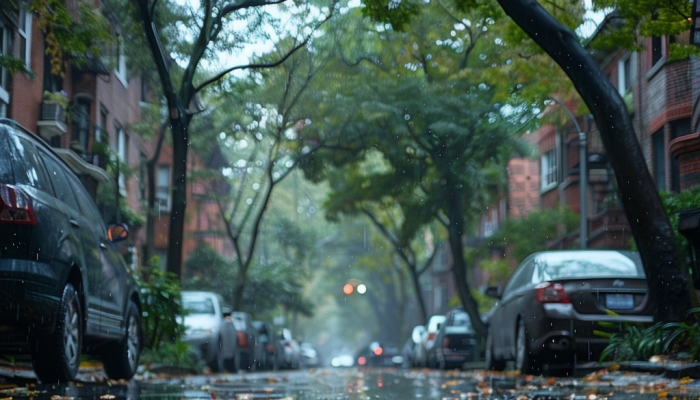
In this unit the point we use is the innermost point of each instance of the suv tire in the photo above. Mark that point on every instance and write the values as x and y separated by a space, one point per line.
56 358
121 358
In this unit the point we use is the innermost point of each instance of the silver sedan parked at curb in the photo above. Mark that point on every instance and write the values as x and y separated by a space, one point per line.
208 328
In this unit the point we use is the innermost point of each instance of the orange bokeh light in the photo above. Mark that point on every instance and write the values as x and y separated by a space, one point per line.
378 351
348 289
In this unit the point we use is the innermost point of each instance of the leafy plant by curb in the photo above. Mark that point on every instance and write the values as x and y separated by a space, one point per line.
162 314
681 340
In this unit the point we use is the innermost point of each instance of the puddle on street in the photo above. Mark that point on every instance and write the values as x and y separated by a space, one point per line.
365 384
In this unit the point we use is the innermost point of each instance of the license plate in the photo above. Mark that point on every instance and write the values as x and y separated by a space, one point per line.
619 301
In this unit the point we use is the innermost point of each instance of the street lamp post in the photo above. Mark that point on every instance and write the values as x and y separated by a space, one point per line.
583 174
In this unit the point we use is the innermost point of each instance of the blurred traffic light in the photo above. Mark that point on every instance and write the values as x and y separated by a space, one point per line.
354 285
348 289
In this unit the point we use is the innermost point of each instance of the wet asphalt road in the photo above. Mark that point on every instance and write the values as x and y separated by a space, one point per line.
364 384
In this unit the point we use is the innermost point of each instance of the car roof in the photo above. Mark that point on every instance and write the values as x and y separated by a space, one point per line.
194 293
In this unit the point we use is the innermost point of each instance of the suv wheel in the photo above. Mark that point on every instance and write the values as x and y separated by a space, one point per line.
57 357
121 358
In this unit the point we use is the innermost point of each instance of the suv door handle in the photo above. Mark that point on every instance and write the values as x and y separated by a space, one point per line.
74 223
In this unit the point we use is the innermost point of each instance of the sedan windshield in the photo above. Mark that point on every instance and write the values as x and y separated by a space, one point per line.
593 264
198 306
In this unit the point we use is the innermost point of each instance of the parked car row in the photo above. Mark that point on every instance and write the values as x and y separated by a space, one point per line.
446 341
547 316
231 340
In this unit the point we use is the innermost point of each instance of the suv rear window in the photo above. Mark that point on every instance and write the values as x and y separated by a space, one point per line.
33 173
6 175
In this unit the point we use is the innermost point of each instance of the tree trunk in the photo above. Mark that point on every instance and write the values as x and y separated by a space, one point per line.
459 266
178 128
651 229
238 292
415 278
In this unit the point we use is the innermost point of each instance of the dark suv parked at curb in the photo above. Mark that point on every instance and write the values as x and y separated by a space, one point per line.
64 287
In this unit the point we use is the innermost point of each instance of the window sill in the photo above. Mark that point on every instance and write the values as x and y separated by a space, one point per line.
548 188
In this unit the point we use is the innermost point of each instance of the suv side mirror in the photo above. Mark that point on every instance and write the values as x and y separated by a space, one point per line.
493 291
117 232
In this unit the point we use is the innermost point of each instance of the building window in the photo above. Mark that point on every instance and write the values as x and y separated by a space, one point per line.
656 49
120 70
25 35
103 123
80 115
122 153
627 70
163 187
659 147
5 46
549 169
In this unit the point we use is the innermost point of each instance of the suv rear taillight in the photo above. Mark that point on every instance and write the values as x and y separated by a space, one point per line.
242 339
549 292
446 343
15 206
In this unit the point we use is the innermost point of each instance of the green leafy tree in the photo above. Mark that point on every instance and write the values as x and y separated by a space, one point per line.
264 138
649 224
435 149
200 34
422 135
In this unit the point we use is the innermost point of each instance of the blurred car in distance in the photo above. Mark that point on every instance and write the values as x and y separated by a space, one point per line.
343 360
377 355
65 288
408 351
456 342
308 356
272 351
249 352
290 349
550 309
209 330
427 340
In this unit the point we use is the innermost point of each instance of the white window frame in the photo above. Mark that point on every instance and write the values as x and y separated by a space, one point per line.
120 69
122 144
630 57
549 175
26 17
163 187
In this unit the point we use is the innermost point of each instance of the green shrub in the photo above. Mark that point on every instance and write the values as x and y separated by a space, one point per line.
175 354
637 343
161 306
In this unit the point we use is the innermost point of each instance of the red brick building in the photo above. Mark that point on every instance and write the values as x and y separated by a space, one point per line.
104 102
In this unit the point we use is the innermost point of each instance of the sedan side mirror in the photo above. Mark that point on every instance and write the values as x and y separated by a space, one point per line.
117 232
493 291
